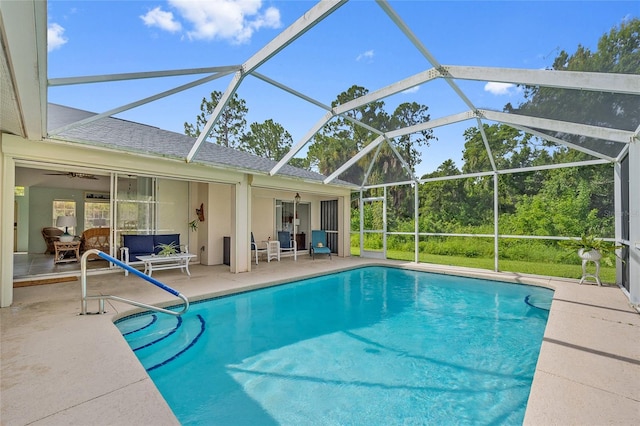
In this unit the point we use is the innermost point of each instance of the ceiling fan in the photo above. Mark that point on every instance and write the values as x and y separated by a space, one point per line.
73 175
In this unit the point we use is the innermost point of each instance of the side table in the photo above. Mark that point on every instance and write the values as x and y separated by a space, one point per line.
273 250
61 249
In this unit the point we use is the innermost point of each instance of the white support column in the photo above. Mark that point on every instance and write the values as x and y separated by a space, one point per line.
618 216
7 183
416 217
241 225
384 222
361 202
634 221
496 263
344 226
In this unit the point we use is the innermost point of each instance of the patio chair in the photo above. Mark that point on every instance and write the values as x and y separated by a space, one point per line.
95 238
319 243
254 247
287 245
50 235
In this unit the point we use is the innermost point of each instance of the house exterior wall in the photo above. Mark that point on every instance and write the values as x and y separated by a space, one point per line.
197 239
264 210
227 196
216 201
263 215
173 204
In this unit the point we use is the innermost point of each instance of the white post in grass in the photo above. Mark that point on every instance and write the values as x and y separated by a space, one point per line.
416 216
495 223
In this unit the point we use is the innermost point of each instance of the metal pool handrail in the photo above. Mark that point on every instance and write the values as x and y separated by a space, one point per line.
101 298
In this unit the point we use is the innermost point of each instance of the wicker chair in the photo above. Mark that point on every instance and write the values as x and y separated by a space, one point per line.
95 238
50 235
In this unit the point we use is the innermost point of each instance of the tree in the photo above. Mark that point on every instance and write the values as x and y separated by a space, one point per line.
442 203
559 202
341 139
511 149
618 52
405 115
229 129
562 207
268 139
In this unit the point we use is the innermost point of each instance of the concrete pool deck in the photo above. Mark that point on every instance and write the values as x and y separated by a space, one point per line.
57 367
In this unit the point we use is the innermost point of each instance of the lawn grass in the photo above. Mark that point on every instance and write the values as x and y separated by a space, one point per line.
607 274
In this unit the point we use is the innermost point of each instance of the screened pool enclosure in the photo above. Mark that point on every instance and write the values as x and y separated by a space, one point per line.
556 158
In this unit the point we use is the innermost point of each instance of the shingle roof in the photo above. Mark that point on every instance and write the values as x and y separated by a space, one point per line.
129 136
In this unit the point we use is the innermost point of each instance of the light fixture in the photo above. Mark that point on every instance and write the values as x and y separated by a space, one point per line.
66 221
296 201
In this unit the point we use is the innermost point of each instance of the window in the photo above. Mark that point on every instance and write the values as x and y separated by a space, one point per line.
96 215
63 208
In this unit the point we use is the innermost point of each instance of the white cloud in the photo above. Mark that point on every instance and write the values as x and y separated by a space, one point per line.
55 37
365 55
413 89
234 20
161 19
499 88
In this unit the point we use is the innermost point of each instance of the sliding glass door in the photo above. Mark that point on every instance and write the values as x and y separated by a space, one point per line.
146 205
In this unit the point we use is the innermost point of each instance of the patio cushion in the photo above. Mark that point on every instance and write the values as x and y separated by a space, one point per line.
138 244
145 245
165 239
319 243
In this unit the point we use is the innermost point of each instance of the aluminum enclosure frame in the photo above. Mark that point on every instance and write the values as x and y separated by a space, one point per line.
26 51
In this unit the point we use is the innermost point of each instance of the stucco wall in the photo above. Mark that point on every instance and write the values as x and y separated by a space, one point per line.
217 204
173 212
262 216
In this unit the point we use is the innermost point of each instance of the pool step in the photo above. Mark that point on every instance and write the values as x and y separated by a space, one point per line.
165 338
539 302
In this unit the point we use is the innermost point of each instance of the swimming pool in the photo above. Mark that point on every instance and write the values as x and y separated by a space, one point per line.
374 345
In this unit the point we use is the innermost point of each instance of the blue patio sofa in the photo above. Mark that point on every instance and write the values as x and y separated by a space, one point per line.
145 245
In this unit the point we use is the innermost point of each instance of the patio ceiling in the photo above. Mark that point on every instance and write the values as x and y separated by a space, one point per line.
602 143
23 65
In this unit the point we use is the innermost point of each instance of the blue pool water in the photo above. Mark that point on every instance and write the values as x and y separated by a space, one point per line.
375 346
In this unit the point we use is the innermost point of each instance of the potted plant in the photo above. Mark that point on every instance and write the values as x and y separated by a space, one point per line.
168 249
591 248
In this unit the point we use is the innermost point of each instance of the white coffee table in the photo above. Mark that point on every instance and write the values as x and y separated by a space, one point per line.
160 262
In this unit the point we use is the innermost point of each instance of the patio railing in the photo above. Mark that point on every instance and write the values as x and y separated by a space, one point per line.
101 297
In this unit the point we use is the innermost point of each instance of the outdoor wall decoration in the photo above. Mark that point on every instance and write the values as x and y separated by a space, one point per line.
200 213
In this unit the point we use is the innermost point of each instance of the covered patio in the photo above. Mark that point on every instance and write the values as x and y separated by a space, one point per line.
381 160
586 374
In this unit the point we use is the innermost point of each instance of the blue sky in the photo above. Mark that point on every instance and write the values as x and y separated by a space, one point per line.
358 44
